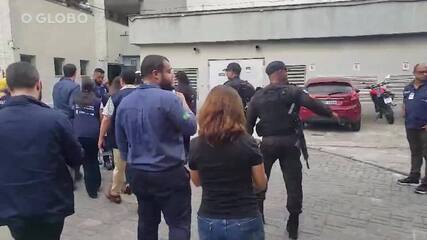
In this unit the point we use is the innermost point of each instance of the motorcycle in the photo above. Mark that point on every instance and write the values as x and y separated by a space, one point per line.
383 100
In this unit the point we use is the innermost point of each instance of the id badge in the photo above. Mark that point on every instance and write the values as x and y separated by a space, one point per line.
411 96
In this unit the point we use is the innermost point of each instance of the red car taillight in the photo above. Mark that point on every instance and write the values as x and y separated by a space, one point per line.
351 100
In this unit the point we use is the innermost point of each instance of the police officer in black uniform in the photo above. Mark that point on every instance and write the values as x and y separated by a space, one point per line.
277 106
245 90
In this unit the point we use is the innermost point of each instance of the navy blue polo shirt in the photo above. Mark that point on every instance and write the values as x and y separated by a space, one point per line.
86 120
101 90
415 101
63 94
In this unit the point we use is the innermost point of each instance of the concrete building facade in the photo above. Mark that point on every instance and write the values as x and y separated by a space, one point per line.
367 39
49 34
6 47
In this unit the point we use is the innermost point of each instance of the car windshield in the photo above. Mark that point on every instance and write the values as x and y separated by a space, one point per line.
329 88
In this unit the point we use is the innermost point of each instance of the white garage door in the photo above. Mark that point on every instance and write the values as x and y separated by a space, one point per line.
252 71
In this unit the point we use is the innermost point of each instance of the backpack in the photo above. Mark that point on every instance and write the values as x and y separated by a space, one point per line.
246 92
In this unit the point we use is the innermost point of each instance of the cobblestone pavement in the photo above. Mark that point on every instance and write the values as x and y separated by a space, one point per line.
378 143
344 200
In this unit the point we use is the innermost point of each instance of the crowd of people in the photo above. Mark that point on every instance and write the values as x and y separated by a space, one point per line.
148 127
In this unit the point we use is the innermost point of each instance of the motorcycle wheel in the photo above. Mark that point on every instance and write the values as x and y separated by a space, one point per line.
389 115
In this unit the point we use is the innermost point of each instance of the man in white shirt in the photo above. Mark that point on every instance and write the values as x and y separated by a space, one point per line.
107 127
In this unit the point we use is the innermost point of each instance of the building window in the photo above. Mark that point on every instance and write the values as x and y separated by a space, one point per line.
29 59
83 67
59 63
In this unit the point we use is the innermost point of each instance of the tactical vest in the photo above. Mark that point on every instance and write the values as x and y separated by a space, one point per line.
274 104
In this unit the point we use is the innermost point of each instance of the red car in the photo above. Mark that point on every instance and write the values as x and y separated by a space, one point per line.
340 95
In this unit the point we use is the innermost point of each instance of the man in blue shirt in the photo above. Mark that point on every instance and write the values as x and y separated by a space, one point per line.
36 144
150 124
415 104
101 90
65 90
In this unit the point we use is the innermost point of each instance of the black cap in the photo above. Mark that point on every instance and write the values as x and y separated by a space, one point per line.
274 67
234 67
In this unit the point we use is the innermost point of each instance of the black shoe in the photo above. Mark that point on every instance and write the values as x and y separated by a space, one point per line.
422 189
292 226
108 164
409 181
93 195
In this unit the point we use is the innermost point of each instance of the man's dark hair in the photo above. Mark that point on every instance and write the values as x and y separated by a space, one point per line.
151 63
274 67
234 67
115 85
419 65
21 75
69 70
99 70
128 77
182 77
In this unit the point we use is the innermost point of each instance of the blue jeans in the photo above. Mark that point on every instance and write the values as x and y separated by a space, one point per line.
231 229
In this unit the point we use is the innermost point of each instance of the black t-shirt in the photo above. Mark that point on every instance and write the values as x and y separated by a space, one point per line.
226 177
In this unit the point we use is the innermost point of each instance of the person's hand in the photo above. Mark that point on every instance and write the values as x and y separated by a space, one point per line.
425 128
181 97
183 101
101 144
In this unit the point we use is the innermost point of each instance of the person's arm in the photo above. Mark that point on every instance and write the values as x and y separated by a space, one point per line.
314 105
107 113
121 137
192 163
105 125
73 95
72 149
251 117
251 92
404 104
195 178
73 110
259 178
99 109
181 115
